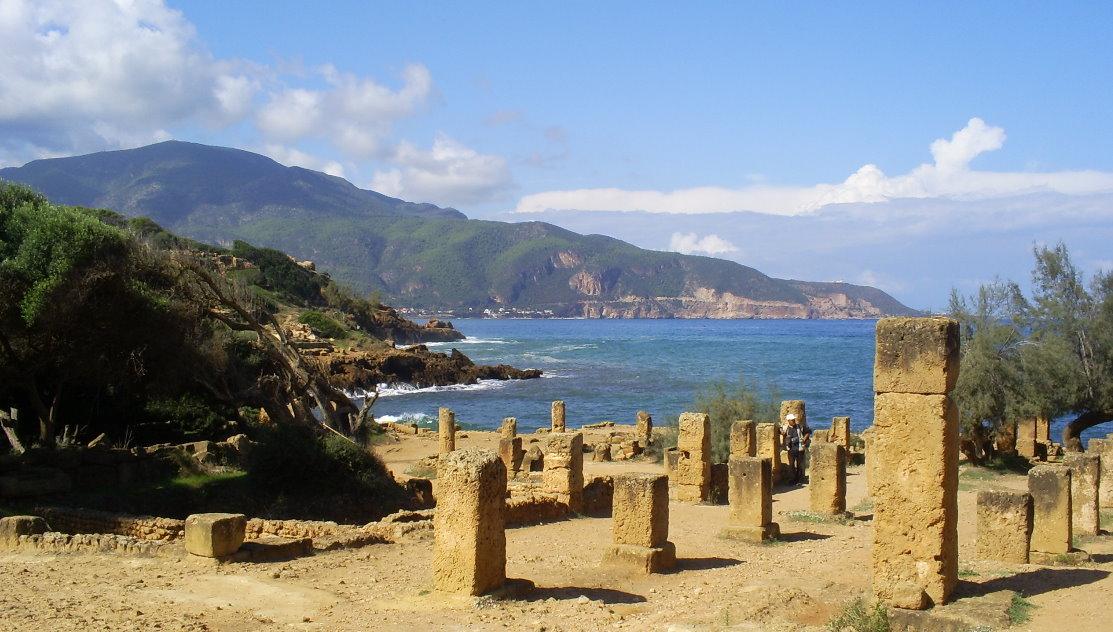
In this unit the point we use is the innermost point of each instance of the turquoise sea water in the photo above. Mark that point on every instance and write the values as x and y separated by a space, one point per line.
609 369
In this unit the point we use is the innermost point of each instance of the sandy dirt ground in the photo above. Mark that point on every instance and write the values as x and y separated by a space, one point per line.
796 583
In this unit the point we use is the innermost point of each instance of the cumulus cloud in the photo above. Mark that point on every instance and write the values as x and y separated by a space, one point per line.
948 176
293 157
692 243
448 173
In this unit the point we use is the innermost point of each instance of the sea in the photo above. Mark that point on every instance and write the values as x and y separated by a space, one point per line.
607 370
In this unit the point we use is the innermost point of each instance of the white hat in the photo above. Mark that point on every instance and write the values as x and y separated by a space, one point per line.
790 417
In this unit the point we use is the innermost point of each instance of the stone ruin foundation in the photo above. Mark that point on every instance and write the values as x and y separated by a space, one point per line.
640 524
469 540
743 438
557 416
914 445
1085 477
1049 486
751 500
827 479
1004 526
446 429
564 468
693 465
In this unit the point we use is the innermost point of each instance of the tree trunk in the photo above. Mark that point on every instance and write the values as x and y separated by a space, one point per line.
1072 440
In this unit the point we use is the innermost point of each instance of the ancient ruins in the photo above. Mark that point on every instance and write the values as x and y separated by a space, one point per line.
640 524
827 479
693 465
469 538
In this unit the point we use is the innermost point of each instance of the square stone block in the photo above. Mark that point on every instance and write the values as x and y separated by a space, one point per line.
695 433
1085 476
640 509
793 407
743 438
641 559
827 479
769 531
1004 526
750 491
11 527
214 534
916 355
1049 486
469 540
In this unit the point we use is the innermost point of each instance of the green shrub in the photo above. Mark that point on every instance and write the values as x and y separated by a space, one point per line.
1020 610
186 417
858 616
727 404
322 325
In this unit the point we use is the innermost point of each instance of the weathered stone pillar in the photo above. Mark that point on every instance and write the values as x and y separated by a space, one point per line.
672 458
564 468
1004 526
446 429
867 446
1085 479
509 428
512 454
469 540
640 525
1049 486
793 407
827 479
1026 437
558 416
643 431
769 447
1005 441
693 467
743 438
915 447
1043 429
751 500
1104 449
840 432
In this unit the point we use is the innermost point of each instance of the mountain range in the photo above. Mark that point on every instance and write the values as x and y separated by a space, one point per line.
422 256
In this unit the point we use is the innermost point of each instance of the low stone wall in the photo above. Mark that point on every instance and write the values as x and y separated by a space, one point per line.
88 521
53 542
258 527
524 510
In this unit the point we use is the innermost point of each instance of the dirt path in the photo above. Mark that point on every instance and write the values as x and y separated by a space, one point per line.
796 583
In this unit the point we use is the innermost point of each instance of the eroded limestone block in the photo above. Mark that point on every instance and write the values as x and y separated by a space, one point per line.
557 416
827 479
914 483
1104 450
916 355
643 429
214 534
751 499
693 466
469 538
672 458
840 432
1004 526
1085 478
601 452
563 473
640 523
793 407
509 428
1026 437
11 527
446 429
1043 429
1049 486
512 454
743 438
769 446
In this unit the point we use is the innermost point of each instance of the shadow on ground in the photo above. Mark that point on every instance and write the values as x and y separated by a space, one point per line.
704 563
1034 582
801 536
562 593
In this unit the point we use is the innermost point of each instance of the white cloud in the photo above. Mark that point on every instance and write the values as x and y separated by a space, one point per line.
691 243
948 176
293 157
448 173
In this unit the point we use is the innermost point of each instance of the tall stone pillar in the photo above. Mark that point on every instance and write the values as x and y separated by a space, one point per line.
643 430
509 428
1043 429
446 429
693 467
564 468
793 407
469 540
640 524
1026 437
743 438
512 455
827 479
558 416
1049 486
1004 526
1085 479
1104 449
751 500
840 432
915 447
769 447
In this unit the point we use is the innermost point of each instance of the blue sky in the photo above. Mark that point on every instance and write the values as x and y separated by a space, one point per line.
573 111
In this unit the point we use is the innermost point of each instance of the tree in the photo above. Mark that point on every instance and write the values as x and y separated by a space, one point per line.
726 404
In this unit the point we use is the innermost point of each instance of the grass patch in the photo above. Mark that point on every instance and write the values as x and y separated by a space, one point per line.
421 470
967 572
199 481
1020 610
807 516
974 473
865 505
773 542
860 616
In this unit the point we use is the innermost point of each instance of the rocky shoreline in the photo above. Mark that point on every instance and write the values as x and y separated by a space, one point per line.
353 370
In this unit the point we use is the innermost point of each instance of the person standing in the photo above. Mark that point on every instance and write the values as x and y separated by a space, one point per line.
795 438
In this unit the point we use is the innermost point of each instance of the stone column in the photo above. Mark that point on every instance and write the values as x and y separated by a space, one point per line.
640 525
1005 441
1026 437
795 407
867 446
643 431
672 458
1104 449
693 467
827 479
840 432
1043 429
1085 478
558 416
1004 526
915 449
446 429
1049 486
564 468
751 500
512 454
743 438
769 447
509 428
469 540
